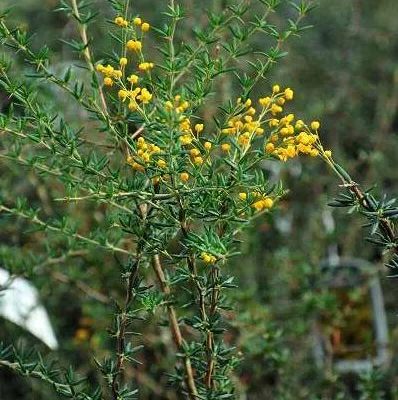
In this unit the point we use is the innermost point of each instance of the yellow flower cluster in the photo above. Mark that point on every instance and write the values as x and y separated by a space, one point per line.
117 75
208 258
120 21
288 141
246 126
109 73
134 95
259 202
144 154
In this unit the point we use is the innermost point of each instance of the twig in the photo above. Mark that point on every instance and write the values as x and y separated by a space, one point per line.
87 52
121 330
175 328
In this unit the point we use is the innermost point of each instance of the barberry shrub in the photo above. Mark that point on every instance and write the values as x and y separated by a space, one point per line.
176 181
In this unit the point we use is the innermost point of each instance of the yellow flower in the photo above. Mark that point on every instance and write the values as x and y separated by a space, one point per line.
268 202
243 196
161 163
184 176
289 94
207 145
122 94
133 105
198 160
199 128
135 45
328 153
123 61
145 27
225 147
248 103
269 147
100 68
121 21
273 123
133 79
314 152
276 89
315 125
275 109
208 258
145 96
145 66
117 73
264 101
108 81
194 152
185 139
137 21
258 205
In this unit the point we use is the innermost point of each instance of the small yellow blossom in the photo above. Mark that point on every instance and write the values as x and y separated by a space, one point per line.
243 196
208 258
328 153
289 94
276 89
273 123
133 79
108 81
145 96
258 205
145 27
137 21
145 66
315 125
194 152
198 160
123 61
117 73
207 145
269 147
161 163
121 21
225 147
135 45
275 109
133 105
199 128
265 101
122 94
186 139
184 176
268 202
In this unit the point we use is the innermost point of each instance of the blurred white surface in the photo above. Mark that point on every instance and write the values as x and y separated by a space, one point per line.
19 303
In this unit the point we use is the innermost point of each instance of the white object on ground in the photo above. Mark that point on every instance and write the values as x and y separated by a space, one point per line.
19 303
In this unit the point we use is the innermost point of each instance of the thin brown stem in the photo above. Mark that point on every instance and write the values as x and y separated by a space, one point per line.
121 333
86 52
175 328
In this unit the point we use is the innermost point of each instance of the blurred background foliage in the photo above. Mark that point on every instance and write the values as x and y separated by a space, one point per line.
345 73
